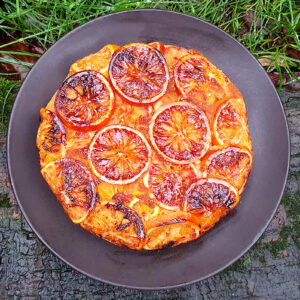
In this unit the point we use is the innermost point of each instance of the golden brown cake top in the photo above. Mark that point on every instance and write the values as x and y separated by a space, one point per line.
145 145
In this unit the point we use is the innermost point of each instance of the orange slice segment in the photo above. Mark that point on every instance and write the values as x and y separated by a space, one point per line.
210 195
230 123
73 185
232 164
171 234
52 133
51 137
180 132
119 154
130 216
85 100
172 55
168 183
196 77
139 73
116 223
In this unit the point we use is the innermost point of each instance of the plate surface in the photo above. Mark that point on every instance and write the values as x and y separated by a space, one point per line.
184 264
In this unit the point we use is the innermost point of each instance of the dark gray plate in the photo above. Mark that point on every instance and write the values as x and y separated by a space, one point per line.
186 263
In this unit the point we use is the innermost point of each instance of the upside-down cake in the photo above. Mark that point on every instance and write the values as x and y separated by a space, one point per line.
145 145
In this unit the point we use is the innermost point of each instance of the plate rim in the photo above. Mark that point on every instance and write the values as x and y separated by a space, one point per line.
132 287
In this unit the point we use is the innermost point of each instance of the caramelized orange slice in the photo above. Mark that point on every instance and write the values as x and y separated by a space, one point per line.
130 216
139 73
232 164
172 55
85 100
116 222
196 77
230 125
168 183
180 132
119 154
189 73
170 234
52 134
73 185
210 195
51 137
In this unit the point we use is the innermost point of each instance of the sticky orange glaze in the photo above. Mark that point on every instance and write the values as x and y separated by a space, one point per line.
145 199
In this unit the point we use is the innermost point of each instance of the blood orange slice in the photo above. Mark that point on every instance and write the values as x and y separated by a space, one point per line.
116 223
168 183
230 123
119 154
171 234
52 134
180 132
73 185
130 216
232 164
172 55
196 77
139 73
210 195
51 137
85 100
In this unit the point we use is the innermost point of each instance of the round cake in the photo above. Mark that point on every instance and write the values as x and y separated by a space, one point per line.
145 145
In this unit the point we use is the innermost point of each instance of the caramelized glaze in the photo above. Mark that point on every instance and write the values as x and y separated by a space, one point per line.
178 169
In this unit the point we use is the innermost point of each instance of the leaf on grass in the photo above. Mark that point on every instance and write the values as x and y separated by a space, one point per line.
269 61
249 18
293 53
290 83
16 59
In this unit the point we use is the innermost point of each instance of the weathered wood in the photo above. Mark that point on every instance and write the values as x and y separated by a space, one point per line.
270 270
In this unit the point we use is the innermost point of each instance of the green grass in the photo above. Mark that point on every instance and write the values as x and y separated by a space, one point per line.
48 21
272 32
8 92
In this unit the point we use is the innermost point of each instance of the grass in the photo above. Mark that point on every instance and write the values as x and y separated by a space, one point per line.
268 28
8 92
